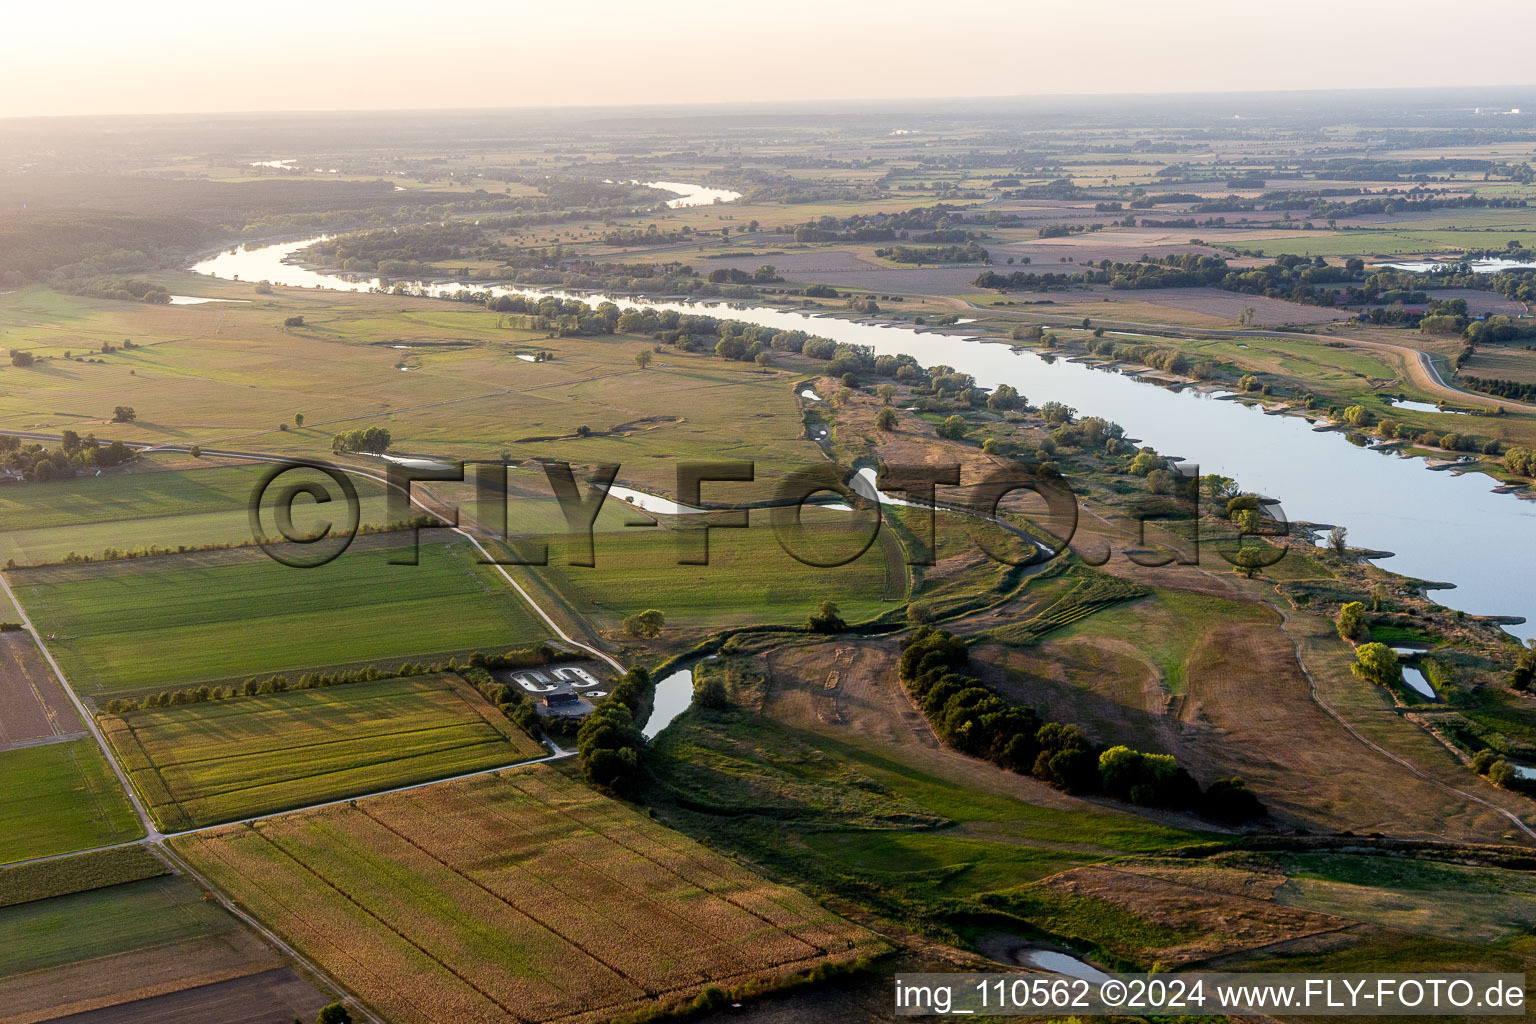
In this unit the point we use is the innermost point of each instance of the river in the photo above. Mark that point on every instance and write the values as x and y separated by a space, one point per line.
1441 526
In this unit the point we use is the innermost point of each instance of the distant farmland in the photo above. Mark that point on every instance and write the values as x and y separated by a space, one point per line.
200 764
515 897
158 623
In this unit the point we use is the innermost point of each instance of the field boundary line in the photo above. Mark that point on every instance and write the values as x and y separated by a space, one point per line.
151 833
499 898
562 755
609 835
338 890
266 933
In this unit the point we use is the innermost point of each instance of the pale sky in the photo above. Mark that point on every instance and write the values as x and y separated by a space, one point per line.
94 57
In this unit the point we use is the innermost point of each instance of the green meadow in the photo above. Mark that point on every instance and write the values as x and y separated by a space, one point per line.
155 506
159 623
749 578
60 797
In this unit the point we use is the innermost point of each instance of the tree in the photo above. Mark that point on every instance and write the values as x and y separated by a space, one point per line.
196 451
1005 397
1337 541
1351 621
1218 486
1524 672
885 419
826 619
609 746
1377 663
124 414
1231 800
263 287
298 419
294 321
643 358
887 393
953 428
22 358
336 1013
374 440
648 623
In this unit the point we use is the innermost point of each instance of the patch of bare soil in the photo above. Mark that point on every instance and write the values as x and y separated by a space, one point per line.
33 705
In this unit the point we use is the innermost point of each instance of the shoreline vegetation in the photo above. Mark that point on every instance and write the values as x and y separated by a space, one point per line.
1179 730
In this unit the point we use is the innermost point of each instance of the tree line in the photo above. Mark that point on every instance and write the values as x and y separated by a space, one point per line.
976 720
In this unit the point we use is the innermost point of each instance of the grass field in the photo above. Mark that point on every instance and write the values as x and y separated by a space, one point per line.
114 946
229 376
520 896
156 623
157 506
60 797
749 579
200 764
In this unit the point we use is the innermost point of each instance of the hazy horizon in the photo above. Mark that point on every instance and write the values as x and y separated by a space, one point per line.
288 57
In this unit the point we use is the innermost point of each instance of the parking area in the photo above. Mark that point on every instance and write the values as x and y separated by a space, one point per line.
566 689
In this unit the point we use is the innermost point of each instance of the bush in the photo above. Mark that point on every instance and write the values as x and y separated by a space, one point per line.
952 429
1351 621
648 623
608 746
826 619
709 692
1231 800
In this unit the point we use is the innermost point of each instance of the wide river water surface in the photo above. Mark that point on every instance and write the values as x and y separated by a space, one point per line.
1441 526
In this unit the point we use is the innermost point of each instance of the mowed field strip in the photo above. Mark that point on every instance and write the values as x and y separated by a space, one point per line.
201 764
149 624
516 896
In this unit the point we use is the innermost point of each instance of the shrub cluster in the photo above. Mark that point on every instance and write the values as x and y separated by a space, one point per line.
974 719
608 744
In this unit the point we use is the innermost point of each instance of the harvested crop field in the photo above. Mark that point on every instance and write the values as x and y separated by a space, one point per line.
113 947
518 896
33 706
200 764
